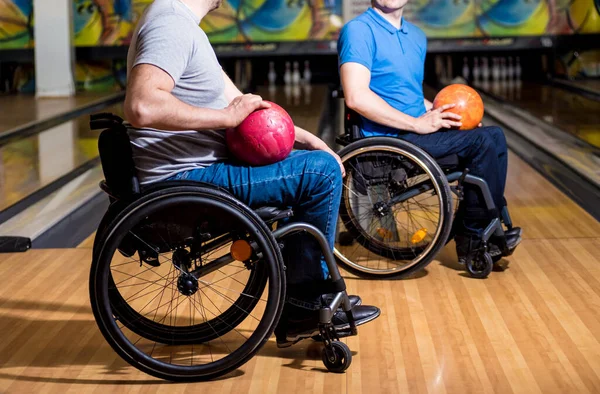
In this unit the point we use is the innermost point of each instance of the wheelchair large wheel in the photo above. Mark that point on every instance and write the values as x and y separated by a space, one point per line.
192 312
396 209
156 331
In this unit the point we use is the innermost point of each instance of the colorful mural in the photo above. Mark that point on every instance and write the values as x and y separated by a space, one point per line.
16 24
102 22
111 22
103 76
504 18
273 20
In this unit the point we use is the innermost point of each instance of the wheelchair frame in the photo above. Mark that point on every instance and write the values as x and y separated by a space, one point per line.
126 191
353 133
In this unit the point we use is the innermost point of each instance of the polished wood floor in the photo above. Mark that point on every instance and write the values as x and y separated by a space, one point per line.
29 164
570 112
18 110
532 327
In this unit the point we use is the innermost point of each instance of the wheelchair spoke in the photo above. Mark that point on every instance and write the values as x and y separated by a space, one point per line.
131 298
222 279
125 263
219 317
203 314
208 285
163 290
149 269
233 304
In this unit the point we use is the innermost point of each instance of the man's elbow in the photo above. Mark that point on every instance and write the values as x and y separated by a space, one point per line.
138 114
353 102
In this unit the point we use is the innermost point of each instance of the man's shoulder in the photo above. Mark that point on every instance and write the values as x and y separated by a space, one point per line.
165 12
360 25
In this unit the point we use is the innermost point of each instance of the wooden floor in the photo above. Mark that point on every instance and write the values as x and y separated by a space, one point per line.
533 327
21 109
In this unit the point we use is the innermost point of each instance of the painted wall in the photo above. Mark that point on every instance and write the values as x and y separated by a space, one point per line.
111 22
16 24
501 18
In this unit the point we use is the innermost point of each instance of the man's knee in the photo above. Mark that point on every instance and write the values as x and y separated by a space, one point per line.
496 135
483 143
323 164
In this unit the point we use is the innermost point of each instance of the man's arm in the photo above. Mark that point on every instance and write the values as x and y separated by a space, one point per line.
308 141
149 103
231 91
428 104
304 139
358 95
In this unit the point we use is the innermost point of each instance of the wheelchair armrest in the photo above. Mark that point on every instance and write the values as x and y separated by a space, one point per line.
104 120
343 140
273 214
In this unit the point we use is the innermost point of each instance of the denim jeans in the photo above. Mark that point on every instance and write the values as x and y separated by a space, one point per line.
310 183
483 151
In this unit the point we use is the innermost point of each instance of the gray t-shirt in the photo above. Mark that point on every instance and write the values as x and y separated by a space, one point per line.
168 36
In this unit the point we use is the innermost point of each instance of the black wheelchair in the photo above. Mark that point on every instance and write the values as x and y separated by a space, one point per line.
188 283
397 208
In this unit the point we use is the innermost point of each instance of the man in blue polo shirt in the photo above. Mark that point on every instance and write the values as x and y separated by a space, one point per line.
382 60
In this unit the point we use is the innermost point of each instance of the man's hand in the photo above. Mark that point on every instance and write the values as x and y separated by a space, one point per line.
337 157
436 119
242 106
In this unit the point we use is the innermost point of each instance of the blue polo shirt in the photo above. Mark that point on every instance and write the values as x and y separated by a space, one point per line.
396 59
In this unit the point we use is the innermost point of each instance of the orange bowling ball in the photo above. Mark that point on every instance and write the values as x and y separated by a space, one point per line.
468 104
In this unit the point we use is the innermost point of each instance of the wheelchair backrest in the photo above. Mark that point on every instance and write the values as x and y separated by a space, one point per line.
352 120
115 155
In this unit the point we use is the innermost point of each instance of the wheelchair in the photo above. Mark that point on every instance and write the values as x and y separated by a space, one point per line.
187 283
397 207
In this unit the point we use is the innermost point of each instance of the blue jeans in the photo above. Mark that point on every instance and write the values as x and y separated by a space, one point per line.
483 151
309 182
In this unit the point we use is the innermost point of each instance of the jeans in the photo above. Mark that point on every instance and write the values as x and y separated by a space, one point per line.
309 182
484 152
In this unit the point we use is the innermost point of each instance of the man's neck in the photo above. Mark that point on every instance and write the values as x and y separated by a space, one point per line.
394 17
199 8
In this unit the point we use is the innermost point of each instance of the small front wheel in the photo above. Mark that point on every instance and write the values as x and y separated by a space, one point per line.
480 265
337 357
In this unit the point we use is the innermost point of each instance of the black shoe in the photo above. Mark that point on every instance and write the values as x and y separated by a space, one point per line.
298 323
466 243
515 231
354 300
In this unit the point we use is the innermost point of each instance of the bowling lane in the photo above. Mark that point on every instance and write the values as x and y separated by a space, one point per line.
570 112
29 164
591 85
523 327
19 110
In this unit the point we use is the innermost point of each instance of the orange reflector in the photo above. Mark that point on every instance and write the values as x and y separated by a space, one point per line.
241 250
419 236
384 233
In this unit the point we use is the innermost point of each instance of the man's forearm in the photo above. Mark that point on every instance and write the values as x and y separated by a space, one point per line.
307 140
371 106
161 110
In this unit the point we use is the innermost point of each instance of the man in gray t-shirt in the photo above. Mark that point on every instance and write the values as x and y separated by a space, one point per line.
179 101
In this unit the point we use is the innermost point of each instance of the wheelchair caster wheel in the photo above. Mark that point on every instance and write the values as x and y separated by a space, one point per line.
337 357
345 238
480 265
